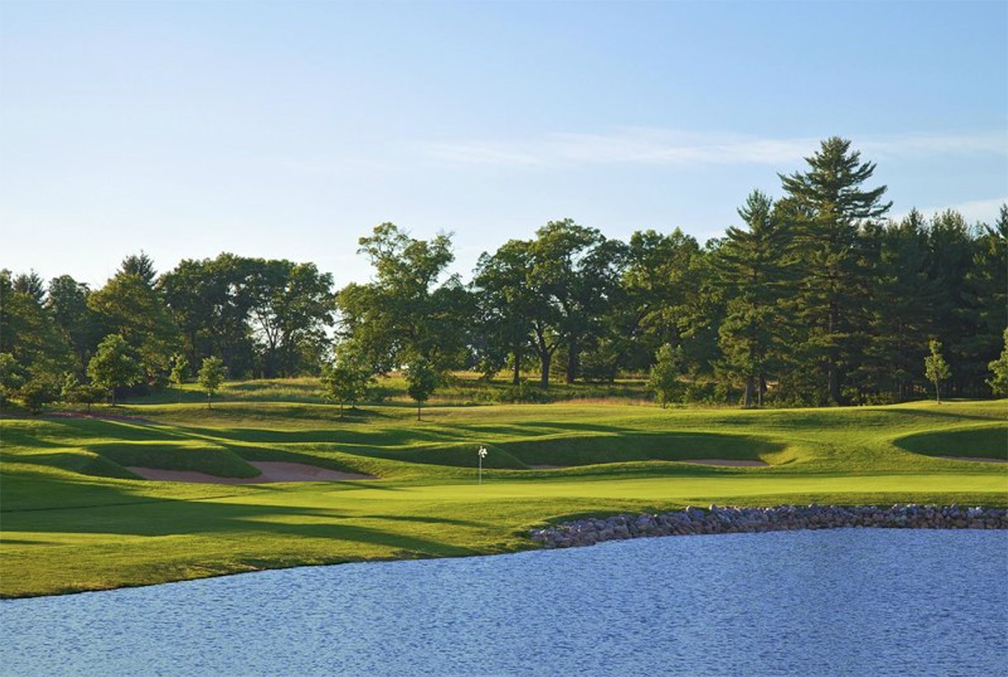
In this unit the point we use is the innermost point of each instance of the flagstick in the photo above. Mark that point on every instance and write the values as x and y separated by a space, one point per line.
481 454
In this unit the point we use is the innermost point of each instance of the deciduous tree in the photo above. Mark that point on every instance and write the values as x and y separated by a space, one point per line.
998 381
935 368
211 376
346 379
114 365
421 381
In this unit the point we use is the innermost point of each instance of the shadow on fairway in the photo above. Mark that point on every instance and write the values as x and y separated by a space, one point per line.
625 447
176 517
980 442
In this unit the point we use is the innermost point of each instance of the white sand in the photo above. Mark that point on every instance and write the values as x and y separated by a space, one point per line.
272 471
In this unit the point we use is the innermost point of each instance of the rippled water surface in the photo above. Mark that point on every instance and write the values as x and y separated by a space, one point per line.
842 602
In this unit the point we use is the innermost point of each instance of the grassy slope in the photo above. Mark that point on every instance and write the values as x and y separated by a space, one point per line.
73 519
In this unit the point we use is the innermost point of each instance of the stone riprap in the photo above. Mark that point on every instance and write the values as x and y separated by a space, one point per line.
729 520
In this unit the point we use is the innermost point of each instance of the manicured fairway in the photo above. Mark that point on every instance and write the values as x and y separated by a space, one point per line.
74 519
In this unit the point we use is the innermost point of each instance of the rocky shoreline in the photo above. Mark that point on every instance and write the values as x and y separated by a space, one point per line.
731 520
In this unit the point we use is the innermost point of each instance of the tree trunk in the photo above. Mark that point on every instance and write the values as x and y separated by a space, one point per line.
937 393
760 391
832 371
516 378
833 375
208 401
418 411
572 364
545 357
750 387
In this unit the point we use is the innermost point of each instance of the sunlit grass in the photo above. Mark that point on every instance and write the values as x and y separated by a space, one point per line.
73 519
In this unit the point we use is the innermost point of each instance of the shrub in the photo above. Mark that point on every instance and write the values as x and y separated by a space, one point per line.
523 393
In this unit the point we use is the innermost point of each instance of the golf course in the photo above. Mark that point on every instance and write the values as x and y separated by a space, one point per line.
78 513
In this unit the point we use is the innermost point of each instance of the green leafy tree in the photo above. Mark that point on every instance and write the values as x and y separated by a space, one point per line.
422 379
935 368
291 304
211 376
27 330
663 379
39 391
828 207
659 297
130 306
179 372
998 381
346 379
404 311
211 302
67 304
75 392
114 365
504 302
574 270
12 377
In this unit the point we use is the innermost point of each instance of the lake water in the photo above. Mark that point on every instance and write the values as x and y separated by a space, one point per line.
842 602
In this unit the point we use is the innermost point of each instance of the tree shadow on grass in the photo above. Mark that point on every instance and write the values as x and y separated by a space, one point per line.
422 519
980 441
378 438
174 518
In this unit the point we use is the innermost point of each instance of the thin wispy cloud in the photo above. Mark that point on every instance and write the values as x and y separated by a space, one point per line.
645 145
976 210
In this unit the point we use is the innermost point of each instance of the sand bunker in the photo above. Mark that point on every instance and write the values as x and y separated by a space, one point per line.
979 459
724 461
272 471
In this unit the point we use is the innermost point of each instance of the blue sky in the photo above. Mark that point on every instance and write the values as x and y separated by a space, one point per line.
291 129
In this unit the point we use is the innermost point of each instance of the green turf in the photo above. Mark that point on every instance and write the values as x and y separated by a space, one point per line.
977 442
74 519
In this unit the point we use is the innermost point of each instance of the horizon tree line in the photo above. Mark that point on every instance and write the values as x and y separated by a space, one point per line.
814 298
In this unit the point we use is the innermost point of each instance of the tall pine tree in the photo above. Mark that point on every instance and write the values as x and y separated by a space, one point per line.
753 265
830 207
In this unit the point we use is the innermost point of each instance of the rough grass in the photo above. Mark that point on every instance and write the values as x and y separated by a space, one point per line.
459 389
74 519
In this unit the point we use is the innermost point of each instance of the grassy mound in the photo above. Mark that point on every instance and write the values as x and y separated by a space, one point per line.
197 456
79 461
447 454
979 442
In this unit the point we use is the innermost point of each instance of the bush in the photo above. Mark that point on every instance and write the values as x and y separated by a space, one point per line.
38 392
523 393
377 394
